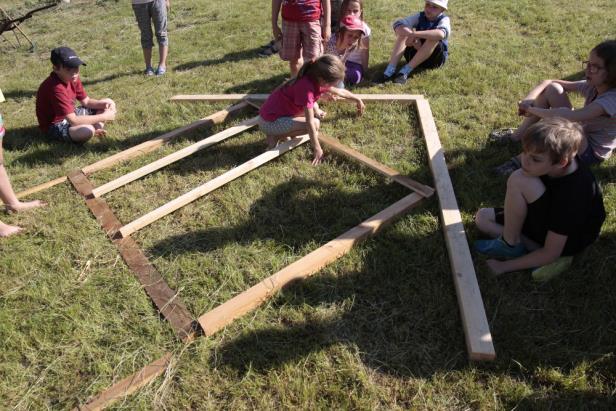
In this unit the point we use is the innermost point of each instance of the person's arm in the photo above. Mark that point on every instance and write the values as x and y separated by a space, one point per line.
275 12
313 134
593 110
551 250
103 104
434 34
346 94
75 120
364 50
532 95
168 3
326 29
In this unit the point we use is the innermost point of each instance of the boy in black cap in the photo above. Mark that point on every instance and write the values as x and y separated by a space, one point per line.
57 115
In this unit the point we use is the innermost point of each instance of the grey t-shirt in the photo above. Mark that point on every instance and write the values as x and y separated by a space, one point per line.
600 131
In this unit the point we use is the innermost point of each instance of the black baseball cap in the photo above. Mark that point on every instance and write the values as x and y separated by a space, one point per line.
65 56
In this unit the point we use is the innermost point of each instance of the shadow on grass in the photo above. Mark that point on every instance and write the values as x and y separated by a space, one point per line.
227 58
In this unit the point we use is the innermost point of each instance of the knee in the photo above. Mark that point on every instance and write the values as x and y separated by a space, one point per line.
317 123
483 217
554 89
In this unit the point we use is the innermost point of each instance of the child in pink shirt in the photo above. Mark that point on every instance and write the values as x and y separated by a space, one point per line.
292 110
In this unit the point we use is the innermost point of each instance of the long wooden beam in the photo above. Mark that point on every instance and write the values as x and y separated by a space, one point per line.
142 148
399 98
210 186
476 327
250 299
171 158
128 385
167 301
338 147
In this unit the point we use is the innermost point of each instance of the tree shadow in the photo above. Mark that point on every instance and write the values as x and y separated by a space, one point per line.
227 58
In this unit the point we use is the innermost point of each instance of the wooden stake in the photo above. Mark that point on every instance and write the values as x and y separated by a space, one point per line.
398 98
171 158
224 314
476 327
142 148
128 385
210 186
338 147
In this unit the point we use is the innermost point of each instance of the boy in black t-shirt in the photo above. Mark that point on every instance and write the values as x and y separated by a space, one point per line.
553 205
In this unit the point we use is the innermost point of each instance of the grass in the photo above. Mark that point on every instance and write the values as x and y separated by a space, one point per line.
378 329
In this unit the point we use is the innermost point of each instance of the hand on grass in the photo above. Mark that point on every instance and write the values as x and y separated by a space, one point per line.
100 132
496 267
361 107
318 156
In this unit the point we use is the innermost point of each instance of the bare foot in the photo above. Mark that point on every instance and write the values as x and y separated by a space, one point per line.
22 206
100 132
271 142
8 230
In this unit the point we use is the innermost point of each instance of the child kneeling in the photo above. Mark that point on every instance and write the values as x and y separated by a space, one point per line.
553 205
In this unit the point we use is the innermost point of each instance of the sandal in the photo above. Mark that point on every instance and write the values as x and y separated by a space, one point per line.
502 135
270 49
508 167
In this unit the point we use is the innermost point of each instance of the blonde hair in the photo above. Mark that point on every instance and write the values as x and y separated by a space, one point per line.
556 136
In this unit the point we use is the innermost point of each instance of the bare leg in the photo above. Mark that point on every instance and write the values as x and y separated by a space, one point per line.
423 53
8 197
295 65
553 96
398 49
298 128
163 50
81 134
147 57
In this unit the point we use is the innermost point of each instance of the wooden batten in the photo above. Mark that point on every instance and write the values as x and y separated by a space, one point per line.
171 158
338 147
128 385
224 314
398 98
210 186
474 320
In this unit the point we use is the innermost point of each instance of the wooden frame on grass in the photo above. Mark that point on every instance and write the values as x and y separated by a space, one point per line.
476 328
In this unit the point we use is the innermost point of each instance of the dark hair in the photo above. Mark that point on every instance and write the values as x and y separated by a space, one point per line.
557 136
606 51
345 4
328 68
340 35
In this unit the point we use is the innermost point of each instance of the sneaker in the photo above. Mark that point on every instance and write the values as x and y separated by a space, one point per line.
499 248
400 78
382 79
160 71
149 71
549 271
501 136
508 167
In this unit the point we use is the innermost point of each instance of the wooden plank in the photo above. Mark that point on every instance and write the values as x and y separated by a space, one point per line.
224 314
128 385
171 158
400 98
210 186
338 147
168 303
476 327
142 148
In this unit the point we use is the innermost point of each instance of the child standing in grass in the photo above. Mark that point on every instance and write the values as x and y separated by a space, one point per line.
423 40
146 13
57 115
292 110
598 116
305 27
553 205
7 195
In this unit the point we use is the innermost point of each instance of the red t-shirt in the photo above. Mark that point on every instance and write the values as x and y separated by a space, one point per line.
301 10
55 99
290 101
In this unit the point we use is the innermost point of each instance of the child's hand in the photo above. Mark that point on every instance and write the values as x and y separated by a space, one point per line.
99 132
318 156
360 107
496 267
327 33
523 106
109 115
276 32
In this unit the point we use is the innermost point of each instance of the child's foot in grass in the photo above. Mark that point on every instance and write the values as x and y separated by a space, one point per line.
8 230
24 205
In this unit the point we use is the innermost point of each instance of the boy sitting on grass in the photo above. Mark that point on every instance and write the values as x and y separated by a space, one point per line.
553 205
57 115
422 39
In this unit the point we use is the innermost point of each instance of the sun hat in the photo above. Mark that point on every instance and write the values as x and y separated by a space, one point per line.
65 56
351 22
440 3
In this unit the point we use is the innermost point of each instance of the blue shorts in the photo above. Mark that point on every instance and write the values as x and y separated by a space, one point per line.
59 131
